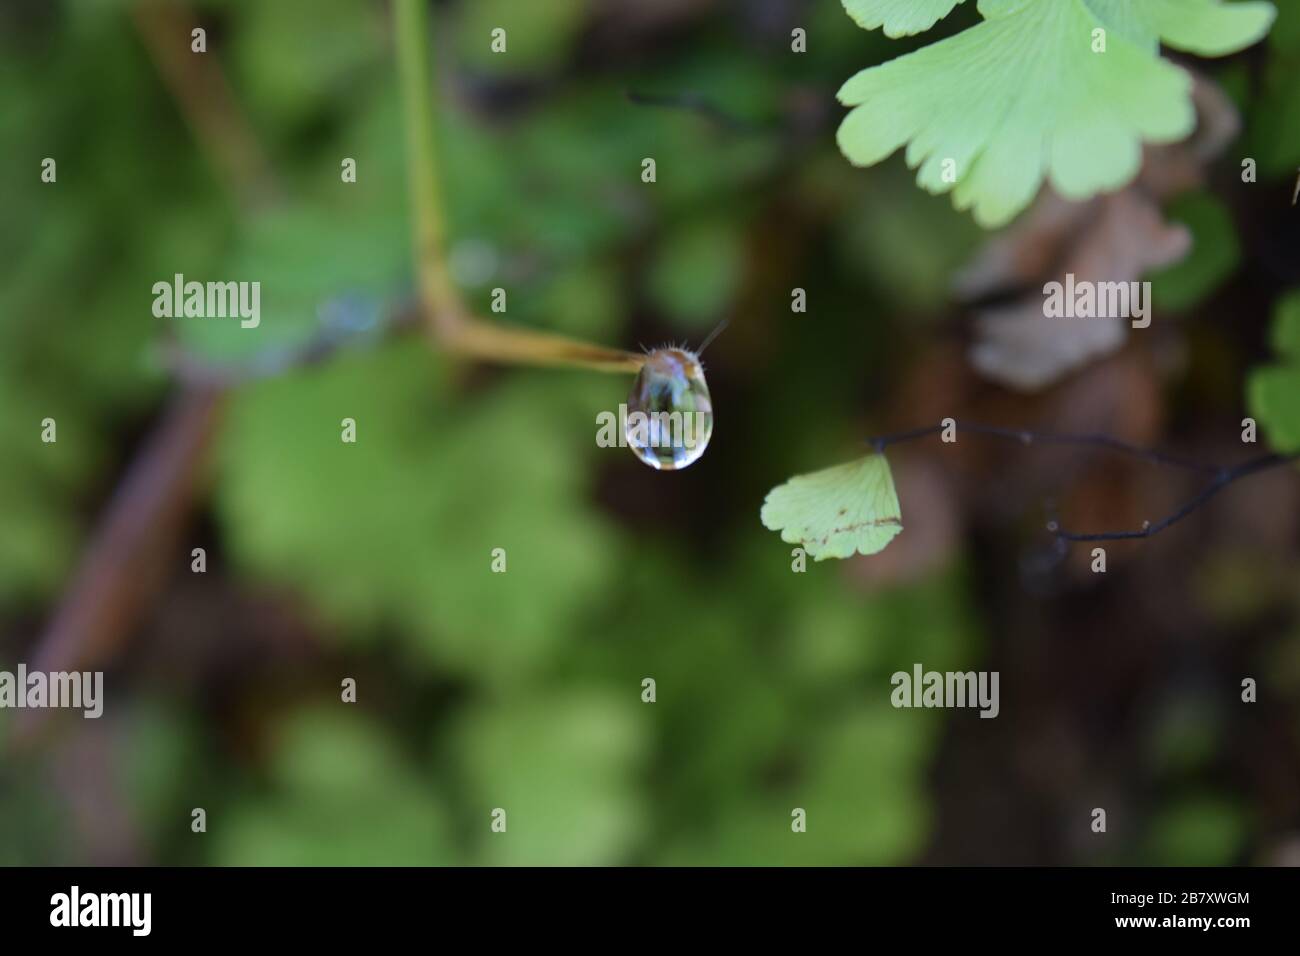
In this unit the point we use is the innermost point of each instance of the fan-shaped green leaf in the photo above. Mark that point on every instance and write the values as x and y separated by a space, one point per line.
1273 391
1033 93
899 17
839 511
1285 336
1203 27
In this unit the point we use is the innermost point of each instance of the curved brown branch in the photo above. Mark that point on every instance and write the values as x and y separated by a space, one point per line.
134 544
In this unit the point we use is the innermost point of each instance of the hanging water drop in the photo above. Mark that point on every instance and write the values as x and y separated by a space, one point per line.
669 412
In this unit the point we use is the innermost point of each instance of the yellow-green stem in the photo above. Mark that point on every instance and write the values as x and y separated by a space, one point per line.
453 328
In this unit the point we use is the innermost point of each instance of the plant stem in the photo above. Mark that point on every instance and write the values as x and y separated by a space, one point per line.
448 320
1221 475
205 100
436 291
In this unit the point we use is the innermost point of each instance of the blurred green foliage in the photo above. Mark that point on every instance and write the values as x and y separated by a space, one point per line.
1214 257
426 494
1274 390
1273 132
340 793
1198 830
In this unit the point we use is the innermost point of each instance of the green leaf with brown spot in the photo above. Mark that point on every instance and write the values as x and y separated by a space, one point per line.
837 512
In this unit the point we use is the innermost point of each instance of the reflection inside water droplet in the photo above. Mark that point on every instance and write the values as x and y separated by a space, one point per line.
669 413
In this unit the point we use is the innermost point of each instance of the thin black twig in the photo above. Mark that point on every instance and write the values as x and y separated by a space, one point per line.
1221 476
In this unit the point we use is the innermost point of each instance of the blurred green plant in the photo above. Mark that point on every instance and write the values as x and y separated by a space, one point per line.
1197 830
565 767
1273 391
1273 128
431 486
1215 253
339 794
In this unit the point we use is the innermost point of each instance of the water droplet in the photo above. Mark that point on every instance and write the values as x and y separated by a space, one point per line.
669 412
